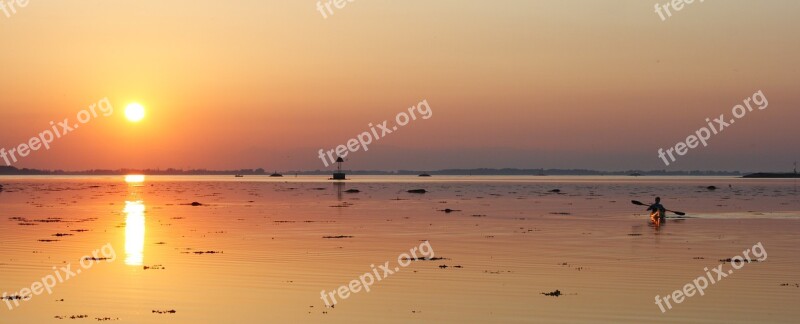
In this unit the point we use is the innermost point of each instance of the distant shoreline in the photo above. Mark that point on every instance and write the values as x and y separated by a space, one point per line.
5 170
768 175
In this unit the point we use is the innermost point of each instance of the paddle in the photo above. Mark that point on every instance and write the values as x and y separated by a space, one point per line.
636 202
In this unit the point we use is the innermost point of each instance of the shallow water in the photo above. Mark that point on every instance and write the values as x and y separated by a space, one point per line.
512 237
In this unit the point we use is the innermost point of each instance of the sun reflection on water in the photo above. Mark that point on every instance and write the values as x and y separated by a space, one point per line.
134 233
134 178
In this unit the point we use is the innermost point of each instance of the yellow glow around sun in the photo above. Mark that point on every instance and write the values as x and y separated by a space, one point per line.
134 112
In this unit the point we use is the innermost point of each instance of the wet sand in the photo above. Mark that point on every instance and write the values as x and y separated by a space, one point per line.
259 249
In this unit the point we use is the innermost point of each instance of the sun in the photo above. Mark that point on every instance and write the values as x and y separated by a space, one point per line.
134 112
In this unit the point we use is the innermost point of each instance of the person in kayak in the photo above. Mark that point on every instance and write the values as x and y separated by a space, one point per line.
657 210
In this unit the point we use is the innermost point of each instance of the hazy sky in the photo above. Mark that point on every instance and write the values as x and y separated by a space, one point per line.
525 84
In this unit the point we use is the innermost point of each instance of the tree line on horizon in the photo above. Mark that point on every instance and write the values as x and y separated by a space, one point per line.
10 170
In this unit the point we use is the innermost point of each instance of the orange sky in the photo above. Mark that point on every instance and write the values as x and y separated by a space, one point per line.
527 84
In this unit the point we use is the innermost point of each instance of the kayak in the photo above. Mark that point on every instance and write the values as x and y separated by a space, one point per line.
657 217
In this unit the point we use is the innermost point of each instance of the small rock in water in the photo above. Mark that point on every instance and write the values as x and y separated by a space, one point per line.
556 190
71 317
171 311
553 293
196 204
155 267
418 191
103 319
96 259
353 191
711 188
15 297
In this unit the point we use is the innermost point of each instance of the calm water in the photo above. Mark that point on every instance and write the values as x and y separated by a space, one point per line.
262 249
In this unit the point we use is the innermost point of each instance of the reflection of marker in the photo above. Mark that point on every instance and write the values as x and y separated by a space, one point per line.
730 271
732 121
394 127
396 269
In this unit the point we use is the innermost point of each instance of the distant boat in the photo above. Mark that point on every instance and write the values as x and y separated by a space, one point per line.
275 174
424 175
239 176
